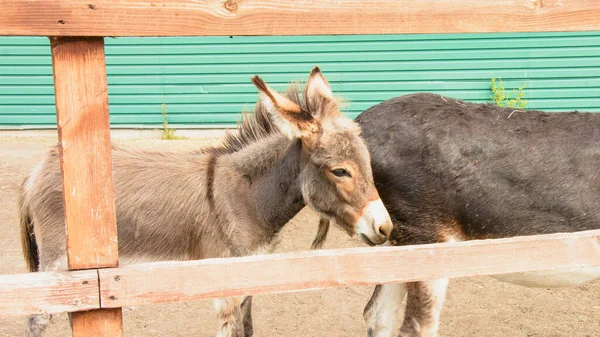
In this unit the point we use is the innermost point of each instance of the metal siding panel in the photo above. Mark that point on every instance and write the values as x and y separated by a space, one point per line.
205 80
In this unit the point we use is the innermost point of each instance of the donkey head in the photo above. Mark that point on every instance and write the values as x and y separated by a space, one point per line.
335 177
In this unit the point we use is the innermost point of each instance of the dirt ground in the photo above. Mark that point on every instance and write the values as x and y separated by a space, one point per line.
479 306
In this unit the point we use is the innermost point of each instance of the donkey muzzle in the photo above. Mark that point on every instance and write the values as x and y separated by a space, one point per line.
375 225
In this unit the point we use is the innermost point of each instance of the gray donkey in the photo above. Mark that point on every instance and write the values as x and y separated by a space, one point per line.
223 201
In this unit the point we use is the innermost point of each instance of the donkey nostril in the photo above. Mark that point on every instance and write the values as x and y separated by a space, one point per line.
385 231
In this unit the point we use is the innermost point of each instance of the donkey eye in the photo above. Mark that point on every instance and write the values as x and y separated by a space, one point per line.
340 172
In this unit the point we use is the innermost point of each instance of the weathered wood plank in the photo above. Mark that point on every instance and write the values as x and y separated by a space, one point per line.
98 323
31 293
51 292
85 151
86 165
275 17
184 281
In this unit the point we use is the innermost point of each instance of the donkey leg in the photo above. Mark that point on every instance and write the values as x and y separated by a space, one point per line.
382 309
229 313
423 308
247 316
36 325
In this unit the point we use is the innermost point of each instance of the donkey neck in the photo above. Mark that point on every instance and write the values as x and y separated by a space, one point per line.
272 169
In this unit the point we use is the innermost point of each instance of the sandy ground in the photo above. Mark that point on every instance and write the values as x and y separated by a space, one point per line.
478 306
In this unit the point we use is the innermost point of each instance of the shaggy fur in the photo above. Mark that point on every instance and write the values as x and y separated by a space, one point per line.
222 201
449 170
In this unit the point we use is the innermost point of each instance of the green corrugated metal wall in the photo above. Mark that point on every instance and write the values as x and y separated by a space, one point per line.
206 81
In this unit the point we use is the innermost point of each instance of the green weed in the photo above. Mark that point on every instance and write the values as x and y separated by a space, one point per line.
167 133
501 98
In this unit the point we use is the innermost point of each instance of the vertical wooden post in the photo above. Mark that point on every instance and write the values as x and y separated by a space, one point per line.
86 165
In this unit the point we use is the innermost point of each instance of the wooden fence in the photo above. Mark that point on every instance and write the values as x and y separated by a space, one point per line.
95 288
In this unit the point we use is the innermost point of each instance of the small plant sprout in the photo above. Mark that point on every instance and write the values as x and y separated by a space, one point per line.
501 98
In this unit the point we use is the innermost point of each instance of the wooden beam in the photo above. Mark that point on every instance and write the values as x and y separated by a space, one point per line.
86 165
98 323
185 281
51 292
85 151
30 293
275 17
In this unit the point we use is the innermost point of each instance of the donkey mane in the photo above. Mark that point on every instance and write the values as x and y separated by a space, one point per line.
254 126
259 124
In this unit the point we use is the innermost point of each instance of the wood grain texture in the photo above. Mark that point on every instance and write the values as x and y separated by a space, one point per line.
184 281
85 151
98 323
48 292
275 17
86 165
30 293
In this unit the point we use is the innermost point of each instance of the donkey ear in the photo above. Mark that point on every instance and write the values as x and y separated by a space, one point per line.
318 94
317 85
287 115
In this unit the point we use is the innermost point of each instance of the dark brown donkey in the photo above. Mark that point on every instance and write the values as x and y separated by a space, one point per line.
229 200
448 170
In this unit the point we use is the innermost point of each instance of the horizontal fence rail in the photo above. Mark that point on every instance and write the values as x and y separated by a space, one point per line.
275 17
161 282
49 292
